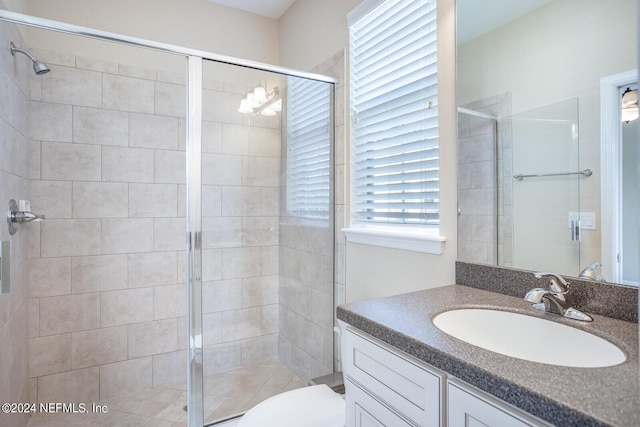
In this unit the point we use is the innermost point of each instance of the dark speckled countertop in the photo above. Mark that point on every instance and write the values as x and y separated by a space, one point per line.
563 396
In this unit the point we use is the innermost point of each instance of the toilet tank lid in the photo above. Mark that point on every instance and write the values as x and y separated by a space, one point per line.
313 406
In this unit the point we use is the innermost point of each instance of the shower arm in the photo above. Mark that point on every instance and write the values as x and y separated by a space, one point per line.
15 49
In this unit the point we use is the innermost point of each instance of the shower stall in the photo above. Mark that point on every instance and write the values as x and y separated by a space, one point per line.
187 255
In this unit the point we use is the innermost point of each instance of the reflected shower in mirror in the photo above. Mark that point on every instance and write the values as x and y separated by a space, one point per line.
541 137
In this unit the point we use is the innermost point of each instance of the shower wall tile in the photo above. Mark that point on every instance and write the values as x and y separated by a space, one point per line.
241 201
170 99
49 277
269 260
261 171
264 142
72 86
126 306
170 167
212 328
270 314
130 375
70 162
211 264
78 386
50 355
211 137
98 347
152 269
52 198
169 301
168 368
241 324
221 295
127 94
220 232
120 236
94 64
153 200
169 234
134 71
240 262
260 231
149 338
222 357
34 159
270 201
50 122
66 237
260 291
221 169
260 349
127 164
100 200
151 131
69 313
100 127
98 273
211 200
235 139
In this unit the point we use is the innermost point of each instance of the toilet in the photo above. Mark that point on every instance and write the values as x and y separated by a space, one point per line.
313 406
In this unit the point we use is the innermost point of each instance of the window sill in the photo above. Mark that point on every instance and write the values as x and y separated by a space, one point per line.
417 242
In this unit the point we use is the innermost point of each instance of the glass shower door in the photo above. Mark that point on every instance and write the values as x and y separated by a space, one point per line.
546 188
267 235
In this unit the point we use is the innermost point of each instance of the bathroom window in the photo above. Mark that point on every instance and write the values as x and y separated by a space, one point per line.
394 120
308 149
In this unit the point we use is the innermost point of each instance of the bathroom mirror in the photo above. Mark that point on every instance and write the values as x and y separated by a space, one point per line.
538 82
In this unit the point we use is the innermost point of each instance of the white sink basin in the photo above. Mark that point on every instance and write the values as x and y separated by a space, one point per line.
529 338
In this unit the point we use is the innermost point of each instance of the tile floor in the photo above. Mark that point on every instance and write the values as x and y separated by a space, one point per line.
226 394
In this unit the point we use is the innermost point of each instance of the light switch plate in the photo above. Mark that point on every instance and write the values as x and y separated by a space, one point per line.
587 220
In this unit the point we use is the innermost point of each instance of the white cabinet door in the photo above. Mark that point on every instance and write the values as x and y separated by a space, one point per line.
365 411
408 387
468 410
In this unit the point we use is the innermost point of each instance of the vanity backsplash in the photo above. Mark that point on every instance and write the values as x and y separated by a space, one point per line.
593 297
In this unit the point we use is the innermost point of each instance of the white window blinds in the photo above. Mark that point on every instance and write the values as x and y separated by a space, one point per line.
308 148
395 114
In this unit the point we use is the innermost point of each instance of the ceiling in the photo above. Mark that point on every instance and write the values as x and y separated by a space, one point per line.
475 18
269 8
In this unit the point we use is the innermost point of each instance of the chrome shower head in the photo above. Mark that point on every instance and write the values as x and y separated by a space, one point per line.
38 67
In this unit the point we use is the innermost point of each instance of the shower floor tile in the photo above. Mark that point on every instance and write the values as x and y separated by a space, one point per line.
226 394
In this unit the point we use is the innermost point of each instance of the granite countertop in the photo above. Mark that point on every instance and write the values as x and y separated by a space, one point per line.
560 395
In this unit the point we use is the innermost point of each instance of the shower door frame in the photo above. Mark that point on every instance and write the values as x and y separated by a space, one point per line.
194 63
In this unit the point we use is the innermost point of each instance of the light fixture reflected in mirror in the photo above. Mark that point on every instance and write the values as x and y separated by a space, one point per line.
262 101
630 105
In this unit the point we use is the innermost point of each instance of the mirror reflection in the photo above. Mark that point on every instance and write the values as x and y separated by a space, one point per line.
547 136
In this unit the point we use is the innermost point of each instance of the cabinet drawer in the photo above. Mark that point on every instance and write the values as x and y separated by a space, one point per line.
365 411
467 409
394 379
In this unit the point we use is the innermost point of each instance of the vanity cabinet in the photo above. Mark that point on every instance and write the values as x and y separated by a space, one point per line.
472 408
385 387
381 383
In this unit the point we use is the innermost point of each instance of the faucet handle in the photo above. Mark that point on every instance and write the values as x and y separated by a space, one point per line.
557 283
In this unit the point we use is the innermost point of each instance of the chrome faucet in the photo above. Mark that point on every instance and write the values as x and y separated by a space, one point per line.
589 272
555 299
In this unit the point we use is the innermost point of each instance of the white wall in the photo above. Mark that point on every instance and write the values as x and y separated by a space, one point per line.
197 24
578 42
310 32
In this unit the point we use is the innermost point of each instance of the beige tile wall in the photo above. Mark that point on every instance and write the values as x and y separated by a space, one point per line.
15 74
484 183
108 268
